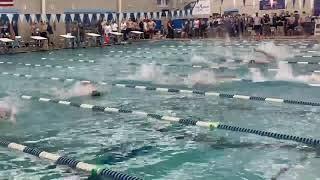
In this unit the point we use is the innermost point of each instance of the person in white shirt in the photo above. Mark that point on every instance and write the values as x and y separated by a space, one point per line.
114 26
123 29
107 29
196 25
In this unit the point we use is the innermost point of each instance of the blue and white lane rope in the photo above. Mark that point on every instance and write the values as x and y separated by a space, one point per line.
186 91
114 84
74 60
187 122
41 65
63 160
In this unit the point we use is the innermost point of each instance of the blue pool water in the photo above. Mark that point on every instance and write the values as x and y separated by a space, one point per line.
153 149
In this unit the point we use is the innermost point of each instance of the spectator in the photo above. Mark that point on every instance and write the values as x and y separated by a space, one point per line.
123 29
170 29
257 26
151 28
196 27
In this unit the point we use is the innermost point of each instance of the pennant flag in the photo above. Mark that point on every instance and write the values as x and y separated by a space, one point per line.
72 17
293 3
63 18
6 3
167 14
183 13
33 17
114 16
58 16
43 17
48 16
221 2
21 17
190 12
148 15
90 17
38 16
28 17
172 14
98 16
53 17
244 2
135 15
81 17
303 3
10 16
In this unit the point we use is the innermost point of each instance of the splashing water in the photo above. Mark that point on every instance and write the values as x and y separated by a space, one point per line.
278 52
154 73
8 109
203 77
195 59
256 75
285 73
77 90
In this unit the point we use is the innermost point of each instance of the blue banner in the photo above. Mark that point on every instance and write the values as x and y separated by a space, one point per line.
316 7
276 4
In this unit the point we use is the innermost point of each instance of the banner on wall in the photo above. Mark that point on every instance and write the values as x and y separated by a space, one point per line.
275 4
202 7
316 7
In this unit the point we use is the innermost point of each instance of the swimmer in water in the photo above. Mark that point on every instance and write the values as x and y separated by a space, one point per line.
270 58
7 112
90 88
82 88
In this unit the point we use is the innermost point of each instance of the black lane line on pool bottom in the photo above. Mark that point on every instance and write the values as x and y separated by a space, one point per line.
196 92
211 125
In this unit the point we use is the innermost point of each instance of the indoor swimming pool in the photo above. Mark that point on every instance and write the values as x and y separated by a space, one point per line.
166 78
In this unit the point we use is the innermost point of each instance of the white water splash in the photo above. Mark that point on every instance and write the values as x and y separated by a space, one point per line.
77 90
278 52
196 59
256 75
285 73
8 109
203 77
154 73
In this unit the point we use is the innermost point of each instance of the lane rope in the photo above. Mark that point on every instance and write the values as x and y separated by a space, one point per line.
41 65
71 60
187 122
72 163
184 91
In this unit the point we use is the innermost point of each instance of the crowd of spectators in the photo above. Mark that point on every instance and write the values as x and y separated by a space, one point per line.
284 24
236 25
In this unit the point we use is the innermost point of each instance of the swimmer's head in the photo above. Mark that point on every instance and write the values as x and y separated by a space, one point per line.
96 94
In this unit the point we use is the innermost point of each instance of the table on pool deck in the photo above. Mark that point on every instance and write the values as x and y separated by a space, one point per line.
94 36
38 40
118 36
6 42
68 39
137 34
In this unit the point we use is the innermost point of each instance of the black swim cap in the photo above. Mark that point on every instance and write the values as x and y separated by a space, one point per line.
96 93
